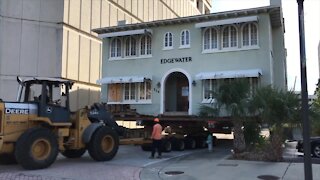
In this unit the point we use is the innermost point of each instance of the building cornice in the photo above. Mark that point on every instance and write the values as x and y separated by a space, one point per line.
274 11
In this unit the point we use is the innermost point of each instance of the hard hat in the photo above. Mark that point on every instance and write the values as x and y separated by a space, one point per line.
156 120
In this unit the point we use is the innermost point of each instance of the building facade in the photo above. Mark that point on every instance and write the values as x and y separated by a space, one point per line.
53 38
172 66
319 57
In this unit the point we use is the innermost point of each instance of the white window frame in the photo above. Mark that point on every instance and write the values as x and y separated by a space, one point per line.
229 37
147 46
211 49
166 41
147 95
254 84
184 38
116 49
249 35
135 98
130 99
130 39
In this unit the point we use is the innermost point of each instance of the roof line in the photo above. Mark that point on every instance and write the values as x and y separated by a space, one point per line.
190 19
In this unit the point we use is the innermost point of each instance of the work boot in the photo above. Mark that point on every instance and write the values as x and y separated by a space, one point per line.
151 157
159 157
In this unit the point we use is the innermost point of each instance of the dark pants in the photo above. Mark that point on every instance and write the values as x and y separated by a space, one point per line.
156 145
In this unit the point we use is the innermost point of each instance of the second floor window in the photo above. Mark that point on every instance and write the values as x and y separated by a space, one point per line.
116 48
130 46
168 41
210 39
250 35
145 45
229 37
185 38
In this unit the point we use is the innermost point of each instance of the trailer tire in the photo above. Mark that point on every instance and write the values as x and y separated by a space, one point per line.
201 143
37 148
73 153
166 145
190 143
104 144
179 145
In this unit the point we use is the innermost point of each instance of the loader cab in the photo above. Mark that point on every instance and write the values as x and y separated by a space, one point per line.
51 95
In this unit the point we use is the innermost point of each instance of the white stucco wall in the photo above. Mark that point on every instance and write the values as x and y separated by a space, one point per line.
268 56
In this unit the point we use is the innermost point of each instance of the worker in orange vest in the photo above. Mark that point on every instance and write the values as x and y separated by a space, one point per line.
156 138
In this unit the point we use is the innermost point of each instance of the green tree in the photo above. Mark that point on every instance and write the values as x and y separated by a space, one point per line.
315 112
276 108
232 99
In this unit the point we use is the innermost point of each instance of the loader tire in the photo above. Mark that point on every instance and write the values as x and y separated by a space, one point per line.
37 148
104 144
73 153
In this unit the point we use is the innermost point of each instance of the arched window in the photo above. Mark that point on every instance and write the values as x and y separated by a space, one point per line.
130 46
185 38
250 35
210 39
145 45
168 41
115 50
229 37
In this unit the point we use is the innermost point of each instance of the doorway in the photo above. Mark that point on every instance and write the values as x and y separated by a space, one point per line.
176 94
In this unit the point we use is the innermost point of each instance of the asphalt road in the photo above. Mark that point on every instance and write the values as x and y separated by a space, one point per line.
126 165
131 163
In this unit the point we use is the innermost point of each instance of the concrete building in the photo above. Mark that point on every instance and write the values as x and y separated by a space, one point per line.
172 66
319 56
53 38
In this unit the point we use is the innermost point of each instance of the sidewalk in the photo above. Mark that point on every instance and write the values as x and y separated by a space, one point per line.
210 166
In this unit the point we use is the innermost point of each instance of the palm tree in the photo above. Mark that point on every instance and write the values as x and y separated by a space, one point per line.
315 112
276 107
232 99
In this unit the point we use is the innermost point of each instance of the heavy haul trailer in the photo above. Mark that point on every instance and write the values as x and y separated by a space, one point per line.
34 129
180 132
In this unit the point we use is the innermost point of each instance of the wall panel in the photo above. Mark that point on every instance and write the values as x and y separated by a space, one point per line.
74 13
30 48
86 16
73 56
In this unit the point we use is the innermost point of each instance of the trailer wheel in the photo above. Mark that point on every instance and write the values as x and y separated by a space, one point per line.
190 143
201 143
104 144
73 153
166 146
37 148
179 145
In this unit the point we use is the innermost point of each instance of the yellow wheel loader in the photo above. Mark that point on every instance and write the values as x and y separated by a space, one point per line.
39 125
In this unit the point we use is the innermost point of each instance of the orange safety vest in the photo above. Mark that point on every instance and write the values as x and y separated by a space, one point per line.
156 132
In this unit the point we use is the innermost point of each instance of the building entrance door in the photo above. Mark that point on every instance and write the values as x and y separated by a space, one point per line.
177 93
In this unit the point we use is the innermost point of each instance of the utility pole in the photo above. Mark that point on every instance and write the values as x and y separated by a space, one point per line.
304 96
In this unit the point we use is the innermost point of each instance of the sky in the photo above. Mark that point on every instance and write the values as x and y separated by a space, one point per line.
312 36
